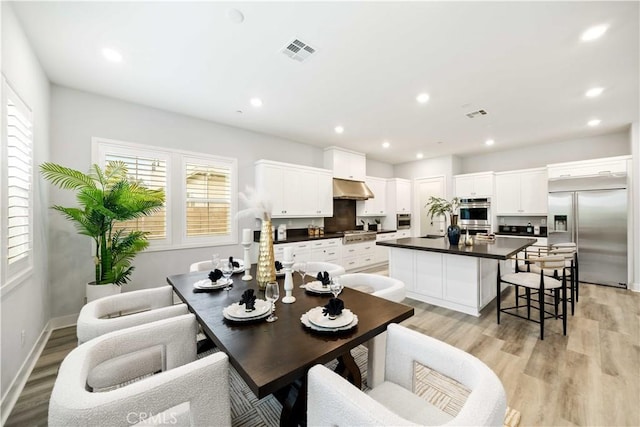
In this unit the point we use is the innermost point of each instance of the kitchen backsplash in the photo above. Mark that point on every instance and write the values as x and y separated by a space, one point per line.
522 220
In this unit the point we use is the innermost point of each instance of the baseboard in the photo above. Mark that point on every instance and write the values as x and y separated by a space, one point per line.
63 321
15 388
635 287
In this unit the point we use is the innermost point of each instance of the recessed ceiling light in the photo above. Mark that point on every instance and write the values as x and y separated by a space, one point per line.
594 122
386 144
235 16
256 102
423 98
111 55
489 142
594 91
419 156
593 33
339 129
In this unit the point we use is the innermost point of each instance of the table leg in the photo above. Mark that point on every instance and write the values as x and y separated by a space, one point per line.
349 369
376 359
294 404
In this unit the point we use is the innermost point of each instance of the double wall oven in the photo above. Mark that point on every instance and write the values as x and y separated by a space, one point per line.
475 215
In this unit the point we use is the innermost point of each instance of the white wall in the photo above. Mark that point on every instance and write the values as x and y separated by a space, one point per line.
539 155
446 166
26 306
77 116
379 169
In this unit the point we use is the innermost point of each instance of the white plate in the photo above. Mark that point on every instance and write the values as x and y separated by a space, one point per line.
208 284
305 321
317 318
238 312
316 286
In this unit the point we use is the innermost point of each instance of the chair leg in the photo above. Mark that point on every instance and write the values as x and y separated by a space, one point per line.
564 304
541 303
577 280
573 289
517 296
527 291
556 301
498 294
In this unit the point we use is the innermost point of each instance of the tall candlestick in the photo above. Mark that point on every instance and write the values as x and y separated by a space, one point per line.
247 259
246 235
288 281
288 254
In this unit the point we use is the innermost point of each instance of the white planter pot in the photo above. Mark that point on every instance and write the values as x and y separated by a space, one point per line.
95 292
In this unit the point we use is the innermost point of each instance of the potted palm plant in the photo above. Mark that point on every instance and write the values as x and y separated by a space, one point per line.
106 198
439 206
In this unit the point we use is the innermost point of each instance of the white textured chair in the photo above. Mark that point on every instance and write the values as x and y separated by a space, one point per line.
375 284
208 265
188 391
331 400
314 267
121 311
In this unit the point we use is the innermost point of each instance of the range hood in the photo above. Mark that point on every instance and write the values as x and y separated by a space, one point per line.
351 190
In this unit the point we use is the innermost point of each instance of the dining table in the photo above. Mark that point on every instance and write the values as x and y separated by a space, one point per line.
274 357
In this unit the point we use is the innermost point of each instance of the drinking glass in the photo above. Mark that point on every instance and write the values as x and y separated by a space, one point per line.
302 269
335 286
272 293
215 261
227 270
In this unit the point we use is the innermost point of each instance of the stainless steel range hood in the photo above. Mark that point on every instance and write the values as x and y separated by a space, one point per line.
351 190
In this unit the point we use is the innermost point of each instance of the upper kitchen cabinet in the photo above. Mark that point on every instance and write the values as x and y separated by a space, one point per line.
522 192
377 206
474 185
345 164
398 195
295 191
604 167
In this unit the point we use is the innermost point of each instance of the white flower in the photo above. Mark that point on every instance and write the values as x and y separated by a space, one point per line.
257 204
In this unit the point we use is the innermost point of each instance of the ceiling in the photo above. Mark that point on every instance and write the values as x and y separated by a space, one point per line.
522 62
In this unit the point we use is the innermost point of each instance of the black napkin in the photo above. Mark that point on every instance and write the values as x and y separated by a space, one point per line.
333 308
249 300
323 277
278 266
215 275
235 264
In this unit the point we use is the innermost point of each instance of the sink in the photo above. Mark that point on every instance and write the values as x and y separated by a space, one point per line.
432 236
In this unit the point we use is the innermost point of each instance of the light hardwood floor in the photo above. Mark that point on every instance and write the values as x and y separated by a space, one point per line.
591 377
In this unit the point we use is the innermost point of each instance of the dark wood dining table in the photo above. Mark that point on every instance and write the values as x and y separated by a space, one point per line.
275 357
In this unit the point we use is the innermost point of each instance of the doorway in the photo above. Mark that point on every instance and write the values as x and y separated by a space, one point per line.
425 188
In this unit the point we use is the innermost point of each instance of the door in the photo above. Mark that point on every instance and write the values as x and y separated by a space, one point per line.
602 237
560 221
426 188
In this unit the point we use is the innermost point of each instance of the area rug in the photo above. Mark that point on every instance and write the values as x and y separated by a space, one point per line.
437 389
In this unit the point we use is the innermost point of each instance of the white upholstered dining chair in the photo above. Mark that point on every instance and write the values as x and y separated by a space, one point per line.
375 284
121 311
147 375
314 267
331 400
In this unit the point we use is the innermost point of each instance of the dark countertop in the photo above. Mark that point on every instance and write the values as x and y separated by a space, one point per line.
306 238
500 249
525 234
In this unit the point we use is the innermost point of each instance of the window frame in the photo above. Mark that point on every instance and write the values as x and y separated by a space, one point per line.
176 191
14 273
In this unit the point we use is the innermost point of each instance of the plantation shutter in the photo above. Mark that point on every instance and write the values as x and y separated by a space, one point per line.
152 173
19 169
208 201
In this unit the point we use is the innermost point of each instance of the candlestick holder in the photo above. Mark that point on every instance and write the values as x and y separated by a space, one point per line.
288 282
247 261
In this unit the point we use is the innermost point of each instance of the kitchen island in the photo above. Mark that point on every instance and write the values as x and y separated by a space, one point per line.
460 278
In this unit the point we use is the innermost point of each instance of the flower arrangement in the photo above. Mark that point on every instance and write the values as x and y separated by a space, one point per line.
257 204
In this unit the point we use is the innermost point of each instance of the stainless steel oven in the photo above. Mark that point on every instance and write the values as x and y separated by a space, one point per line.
403 221
475 213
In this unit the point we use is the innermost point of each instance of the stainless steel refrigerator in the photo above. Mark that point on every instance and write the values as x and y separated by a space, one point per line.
592 212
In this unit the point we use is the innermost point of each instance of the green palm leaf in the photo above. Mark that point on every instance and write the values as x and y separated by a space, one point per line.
66 178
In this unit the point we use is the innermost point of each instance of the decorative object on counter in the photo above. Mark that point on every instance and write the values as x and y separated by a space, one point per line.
282 232
248 300
439 206
246 245
258 206
215 275
288 282
529 228
468 240
324 278
333 308
482 237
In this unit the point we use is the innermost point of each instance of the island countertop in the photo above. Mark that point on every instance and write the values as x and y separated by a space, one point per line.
501 248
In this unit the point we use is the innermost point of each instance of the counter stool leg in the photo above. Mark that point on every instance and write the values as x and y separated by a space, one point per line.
564 304
528 293
541 303
498 294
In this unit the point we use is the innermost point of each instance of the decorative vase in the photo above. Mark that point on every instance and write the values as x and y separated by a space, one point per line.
94 292
266 271
453 231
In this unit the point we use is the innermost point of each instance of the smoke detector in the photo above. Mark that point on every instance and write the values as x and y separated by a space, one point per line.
298 50
477 113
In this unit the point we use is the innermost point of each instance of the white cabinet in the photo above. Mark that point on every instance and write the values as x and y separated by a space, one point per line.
378 204
326 250
358 255
295 191
522 192
474 185
605 166
398 195
345 164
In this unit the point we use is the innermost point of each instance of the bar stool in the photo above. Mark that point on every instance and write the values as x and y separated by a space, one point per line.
539 282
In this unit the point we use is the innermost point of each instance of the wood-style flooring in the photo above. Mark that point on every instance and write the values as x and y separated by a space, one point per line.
591 377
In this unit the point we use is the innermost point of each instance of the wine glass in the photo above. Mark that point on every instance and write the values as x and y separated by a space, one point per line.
227 270
335 286
272 293
302 269
215 261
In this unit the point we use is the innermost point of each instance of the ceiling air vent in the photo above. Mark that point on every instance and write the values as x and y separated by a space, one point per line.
474 114
298 50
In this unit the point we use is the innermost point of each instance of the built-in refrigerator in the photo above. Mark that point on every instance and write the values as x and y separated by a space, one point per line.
592 212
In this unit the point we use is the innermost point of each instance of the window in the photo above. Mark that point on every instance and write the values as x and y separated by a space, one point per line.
17 186
200 193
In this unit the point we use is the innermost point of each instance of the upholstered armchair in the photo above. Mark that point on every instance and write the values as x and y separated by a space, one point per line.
146 374
314 267
334 401
375 284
